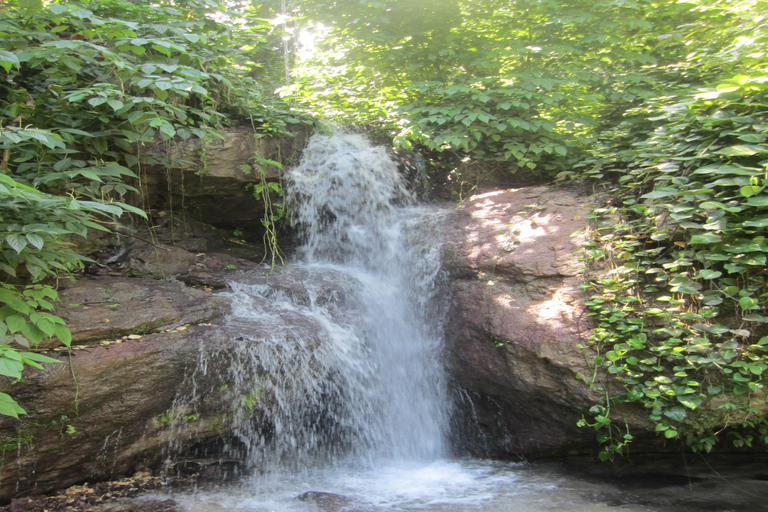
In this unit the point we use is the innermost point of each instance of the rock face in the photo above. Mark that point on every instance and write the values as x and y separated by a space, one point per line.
98 308
149 375
209 181
517 317
101 411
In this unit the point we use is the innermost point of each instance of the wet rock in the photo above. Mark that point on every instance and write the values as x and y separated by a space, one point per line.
326 501
208 181
159 261
111 417
115 496
182 231
105 308
117 405
517 317
140 506
217 470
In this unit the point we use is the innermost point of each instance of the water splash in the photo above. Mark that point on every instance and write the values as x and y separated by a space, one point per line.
346 366
354 210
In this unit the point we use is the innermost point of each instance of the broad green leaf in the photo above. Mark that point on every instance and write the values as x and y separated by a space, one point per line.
757 201
64 334
81 13
16 241
115 104
750 190
752 137
31 6
40 358
726 169
103 207
58 8
62 164
710 274
32 333
660 193
168 130
165 51
748 303
46 326
35 240
15 323
10 367
705 238
8 60
690 401
14 301
9 407
757 222
133 209
741 150
675 413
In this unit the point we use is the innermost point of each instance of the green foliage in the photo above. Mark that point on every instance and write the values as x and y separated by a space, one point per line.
680 317
494 85
83 85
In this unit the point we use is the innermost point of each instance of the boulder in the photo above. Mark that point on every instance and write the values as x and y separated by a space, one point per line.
100 413
517 317
121 402
108 307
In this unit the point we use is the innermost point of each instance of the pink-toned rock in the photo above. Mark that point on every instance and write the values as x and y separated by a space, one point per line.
517 316
104 308
106 420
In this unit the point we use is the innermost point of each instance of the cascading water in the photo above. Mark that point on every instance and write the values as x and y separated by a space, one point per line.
355 212
348 373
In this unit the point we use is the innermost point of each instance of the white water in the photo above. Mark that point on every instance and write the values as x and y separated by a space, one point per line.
353 377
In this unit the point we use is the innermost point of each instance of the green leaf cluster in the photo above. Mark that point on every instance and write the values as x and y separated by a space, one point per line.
493 86
681 315
83 87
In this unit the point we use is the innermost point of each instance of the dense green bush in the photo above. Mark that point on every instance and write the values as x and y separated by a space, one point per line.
681 314
517 86
83 85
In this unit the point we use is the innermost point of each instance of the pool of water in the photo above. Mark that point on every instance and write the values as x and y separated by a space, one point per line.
481 485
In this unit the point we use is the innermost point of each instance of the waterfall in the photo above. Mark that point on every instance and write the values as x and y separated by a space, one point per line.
352 374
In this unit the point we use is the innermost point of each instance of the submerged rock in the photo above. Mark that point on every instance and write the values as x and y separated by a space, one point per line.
326 501
517 316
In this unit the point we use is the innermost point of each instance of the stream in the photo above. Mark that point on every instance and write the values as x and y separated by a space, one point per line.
357 417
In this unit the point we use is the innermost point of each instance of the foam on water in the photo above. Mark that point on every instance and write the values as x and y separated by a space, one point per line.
396 486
